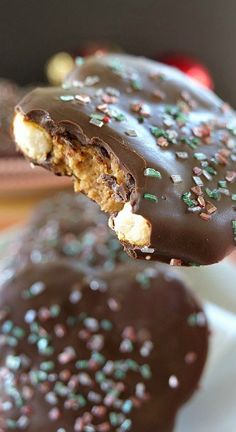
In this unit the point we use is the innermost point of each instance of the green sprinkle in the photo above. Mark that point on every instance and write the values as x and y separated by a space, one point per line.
145 371
151 172
213 193
99 358
66 98
192 320
97 116
234 229
127 406
114 419
82 364
119 117
211 170
13 362
55 310
18 332
233 196
200 156
186 197
136 85
222 183
79 61
11 424
191 142
7 327
150 197
106 325
158 133
47 366
126 425
100 377
12 341
143 279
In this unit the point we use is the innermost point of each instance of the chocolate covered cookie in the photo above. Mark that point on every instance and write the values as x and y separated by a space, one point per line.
150 146
119 352
70 226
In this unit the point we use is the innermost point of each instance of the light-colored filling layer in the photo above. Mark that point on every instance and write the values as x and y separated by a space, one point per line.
92 173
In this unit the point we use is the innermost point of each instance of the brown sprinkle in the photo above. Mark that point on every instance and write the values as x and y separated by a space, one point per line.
176 262
205 216
210 208
197 190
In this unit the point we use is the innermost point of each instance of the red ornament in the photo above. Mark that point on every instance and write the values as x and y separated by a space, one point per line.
190 67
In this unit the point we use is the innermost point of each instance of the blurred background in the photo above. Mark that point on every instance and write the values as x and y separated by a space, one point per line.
196 36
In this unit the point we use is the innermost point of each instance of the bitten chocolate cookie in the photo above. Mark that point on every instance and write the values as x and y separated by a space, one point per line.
120 352
150 146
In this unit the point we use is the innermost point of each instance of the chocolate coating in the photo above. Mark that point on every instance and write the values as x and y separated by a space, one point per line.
65 226
119 352
160 119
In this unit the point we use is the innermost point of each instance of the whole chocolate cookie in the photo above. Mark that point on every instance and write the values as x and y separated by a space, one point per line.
119 352
151 146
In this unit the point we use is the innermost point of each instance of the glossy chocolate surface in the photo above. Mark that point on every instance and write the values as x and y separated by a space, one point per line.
117 352
175 138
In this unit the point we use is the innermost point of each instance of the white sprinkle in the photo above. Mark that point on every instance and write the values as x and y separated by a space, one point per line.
176 178
173 381
146 249
37 288
198 181
75 296
131 133
30 316
83 98
96 122
91 80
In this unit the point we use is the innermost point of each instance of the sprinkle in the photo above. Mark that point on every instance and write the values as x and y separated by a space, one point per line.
126 425
210 208
233 197
234 229
150 197
214 193
230 176
13 362
186 197
197 171
54 414
136 85
197 190
201 201
30 316
222 183
176 178
91 80
176 262
162 142
190 357
131 133
145 371
96 122
106 325
205 216
83 98
66 98
148 250
79 60
75 296
119 117
91 324
182 155
173 382
200 156
37 288
197 181
151 172
157 132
